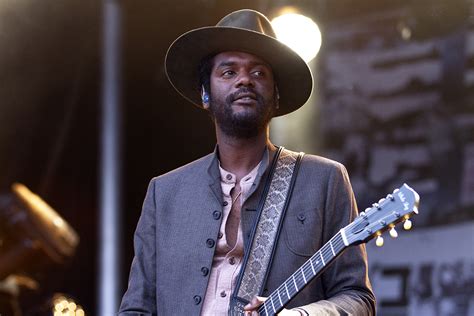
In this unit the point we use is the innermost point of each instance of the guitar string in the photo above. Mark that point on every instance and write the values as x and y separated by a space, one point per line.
375 208
308 266
298 277
306 269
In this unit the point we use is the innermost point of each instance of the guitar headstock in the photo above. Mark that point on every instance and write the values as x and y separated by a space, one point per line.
382 216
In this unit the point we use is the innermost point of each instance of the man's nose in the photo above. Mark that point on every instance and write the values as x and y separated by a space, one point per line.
245 79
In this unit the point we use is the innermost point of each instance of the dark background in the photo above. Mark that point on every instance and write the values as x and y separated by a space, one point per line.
50 83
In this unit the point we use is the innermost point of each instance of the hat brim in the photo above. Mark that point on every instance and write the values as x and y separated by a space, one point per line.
292 74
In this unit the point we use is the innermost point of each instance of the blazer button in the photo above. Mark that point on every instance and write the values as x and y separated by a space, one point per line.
204 271
216 215
210 243
197 299
301 217
225 203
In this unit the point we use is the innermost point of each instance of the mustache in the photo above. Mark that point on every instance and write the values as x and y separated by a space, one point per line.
244 90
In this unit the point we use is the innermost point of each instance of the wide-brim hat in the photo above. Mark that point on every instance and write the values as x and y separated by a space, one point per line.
246 31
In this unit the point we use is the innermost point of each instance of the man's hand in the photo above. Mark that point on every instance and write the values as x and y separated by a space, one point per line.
251 308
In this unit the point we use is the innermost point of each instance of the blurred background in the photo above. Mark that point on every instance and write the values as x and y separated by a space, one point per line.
87 118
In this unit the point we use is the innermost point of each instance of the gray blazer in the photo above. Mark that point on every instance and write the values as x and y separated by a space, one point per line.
177 231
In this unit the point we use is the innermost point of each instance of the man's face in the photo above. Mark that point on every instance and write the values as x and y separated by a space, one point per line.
242 99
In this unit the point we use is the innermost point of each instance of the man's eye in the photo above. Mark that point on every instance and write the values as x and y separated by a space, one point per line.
228 73
259 73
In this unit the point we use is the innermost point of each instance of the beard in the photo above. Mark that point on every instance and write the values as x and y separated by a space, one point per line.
246 124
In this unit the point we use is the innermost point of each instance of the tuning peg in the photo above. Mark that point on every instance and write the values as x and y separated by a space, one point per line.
393 233
379 241
407 224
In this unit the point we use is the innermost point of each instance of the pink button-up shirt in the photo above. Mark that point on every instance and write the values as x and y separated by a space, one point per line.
227 258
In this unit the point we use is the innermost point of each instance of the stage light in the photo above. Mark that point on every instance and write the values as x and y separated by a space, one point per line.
405 30
62 306
298 32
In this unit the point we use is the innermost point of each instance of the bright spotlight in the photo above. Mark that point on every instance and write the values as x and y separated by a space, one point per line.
298 32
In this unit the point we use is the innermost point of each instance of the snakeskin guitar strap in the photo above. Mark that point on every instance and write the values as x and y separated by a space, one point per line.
265 233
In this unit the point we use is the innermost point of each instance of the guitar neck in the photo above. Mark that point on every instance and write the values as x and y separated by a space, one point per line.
298 280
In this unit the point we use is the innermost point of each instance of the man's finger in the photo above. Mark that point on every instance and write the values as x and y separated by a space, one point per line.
254 304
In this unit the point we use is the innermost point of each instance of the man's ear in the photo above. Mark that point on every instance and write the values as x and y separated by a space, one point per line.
277 98
204 98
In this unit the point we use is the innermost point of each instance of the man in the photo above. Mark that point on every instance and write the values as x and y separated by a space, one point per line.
198 221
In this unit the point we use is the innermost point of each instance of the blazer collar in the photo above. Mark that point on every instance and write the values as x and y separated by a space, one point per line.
214 178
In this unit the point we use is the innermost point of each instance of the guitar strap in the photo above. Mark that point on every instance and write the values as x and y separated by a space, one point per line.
271 211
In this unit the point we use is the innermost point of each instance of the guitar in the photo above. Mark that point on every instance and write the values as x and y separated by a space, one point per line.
370 223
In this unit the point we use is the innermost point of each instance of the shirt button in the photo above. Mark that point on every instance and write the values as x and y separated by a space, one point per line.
225 203
216 215
232 260
204 271
228 176
197 299
223 294
220 235
210 243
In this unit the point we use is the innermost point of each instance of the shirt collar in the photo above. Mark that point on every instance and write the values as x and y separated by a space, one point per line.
214 166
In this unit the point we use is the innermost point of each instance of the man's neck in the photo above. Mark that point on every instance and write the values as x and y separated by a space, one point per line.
240 156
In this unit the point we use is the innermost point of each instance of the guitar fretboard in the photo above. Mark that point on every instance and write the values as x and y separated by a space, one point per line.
298 280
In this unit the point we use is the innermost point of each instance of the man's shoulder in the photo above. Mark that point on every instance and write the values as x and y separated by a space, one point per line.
322 163
322 170
192 169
